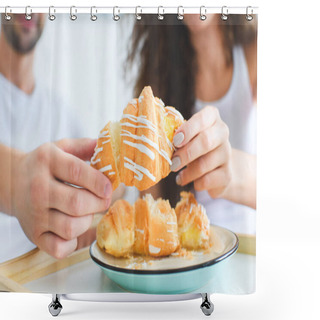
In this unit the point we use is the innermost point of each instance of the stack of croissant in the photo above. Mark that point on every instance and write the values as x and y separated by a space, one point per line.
151 227
137 151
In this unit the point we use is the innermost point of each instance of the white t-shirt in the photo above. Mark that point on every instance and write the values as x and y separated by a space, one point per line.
238 110
26 122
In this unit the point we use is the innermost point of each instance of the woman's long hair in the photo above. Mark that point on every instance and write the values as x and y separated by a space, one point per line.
167 62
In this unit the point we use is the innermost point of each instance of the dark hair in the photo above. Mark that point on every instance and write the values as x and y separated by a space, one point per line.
167 62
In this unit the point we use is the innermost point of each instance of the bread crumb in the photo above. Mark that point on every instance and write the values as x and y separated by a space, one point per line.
183 253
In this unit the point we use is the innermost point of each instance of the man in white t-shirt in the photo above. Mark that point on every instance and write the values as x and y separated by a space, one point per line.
38 204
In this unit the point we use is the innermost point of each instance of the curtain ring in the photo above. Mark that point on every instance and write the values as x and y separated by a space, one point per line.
27 14
180 13
51 16
249 17
224 13
116 17
203 12
73 16
6 15
138 15
93 17
160 15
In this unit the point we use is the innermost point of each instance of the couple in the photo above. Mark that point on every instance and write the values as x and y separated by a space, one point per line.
205 69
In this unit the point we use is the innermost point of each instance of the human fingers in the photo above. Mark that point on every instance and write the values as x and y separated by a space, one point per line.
197 123
75 201
71 169
215 181
68 227
55 245
206 141
204 164
87 238
81 148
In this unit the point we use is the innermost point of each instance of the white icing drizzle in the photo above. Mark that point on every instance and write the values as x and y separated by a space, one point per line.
106 168
140 119
133 102
165 155
153 249
174 112
140 98
161 240
171 146
140 230
141 147
202 208
148 141
95 161
160 103
191 207
171 222
111 173
138 170
128 124
104 142
96 151
104 134
145 123
170 230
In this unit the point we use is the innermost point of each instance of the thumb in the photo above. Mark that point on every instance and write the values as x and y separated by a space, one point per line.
82 148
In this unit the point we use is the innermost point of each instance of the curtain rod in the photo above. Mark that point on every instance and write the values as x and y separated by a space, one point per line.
139 10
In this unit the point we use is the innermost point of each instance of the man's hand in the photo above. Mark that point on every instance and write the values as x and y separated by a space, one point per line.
51 211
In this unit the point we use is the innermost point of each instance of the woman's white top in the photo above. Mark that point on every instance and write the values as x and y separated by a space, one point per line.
238 110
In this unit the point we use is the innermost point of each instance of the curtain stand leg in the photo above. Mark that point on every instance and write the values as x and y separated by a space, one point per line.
55 306
207 306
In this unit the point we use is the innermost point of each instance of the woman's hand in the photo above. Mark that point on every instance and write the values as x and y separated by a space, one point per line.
203 147
52 213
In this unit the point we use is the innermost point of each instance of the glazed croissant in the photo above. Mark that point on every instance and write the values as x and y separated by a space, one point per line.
193 222
148 228
137 150
151 227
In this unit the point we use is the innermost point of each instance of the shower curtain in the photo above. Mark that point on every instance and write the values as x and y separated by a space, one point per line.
62 80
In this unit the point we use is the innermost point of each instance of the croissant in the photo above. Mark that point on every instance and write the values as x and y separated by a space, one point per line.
149 227
137 150
193 223
115 231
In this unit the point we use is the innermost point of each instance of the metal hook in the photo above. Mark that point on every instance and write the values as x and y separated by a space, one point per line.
93 17
138 15
73 16
6 15
180 13
28 15
249 17
203 15
224 13
116 17
160 15
51 16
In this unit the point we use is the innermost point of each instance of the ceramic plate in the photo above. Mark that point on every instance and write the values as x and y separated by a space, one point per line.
168 275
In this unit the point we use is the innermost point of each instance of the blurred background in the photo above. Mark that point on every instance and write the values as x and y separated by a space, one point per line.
83 62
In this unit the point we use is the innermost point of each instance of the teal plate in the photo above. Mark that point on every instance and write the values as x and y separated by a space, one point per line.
169 275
